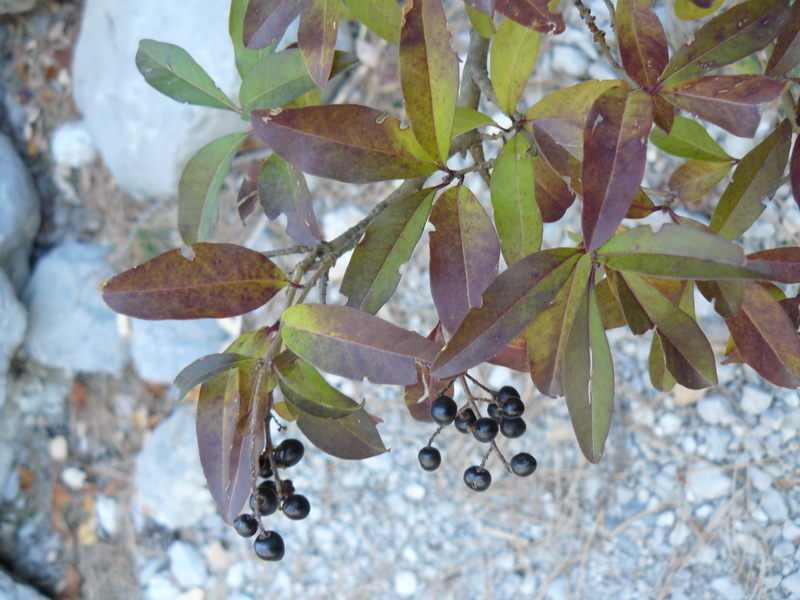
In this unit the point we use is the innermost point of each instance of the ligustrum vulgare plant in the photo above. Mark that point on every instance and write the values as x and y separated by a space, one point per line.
547 312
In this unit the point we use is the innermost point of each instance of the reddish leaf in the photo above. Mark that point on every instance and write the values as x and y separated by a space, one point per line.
265 21
534 14
552 195
589 389
429 75
346 142
783 262
663 113
557 122
228 416
282 189
465 253
514 356
696 178
206 367
615 153
725 100
373 272
642 41
419 395
353 344
786 52
727 295
736 33
766 337
316 36
547 334
794 171
222 280
757 177
703 3
248 192
512 301
689 356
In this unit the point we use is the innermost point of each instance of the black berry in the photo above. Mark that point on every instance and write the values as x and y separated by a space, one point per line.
289 453
523 464
269 546
513 428
429 458
477 478
266 499
443 410
265 469
245 525
513 408
485 430
494 412
506 392
465 420
296 507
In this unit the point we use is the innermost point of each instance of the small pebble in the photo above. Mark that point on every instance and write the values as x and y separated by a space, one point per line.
73 478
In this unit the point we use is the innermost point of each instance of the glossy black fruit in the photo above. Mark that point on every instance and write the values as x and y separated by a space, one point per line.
477 478
245 525
443 410
265 469
296 507
523 464
513 428
429 458
269 546
493 410
465 420
513 408
289 453
266 499
506 392
485 430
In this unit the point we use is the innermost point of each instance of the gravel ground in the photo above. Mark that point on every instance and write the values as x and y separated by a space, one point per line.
697 497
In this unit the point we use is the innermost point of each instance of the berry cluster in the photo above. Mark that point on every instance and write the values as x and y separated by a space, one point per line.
271 495
504 416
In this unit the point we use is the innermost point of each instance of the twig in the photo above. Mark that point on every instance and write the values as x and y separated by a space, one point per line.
288 251
599 37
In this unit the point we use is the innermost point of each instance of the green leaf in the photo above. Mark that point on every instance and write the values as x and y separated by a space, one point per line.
265 21
282 189
307 391
589 389
678 252
635 315
786 52
244 58
516 213
353 437
428 75
794 170
735 34
353 344
345 142
467 119
316 36
757 177
464 254
382 17
687 10
511 62
548 333
642 41
660 377
615 153
199 186
689 357
373 272
174 73
689 139
207 367
534 14
696 178
222 280
610 310
481 22
510 303
728 101
766 337
279 78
